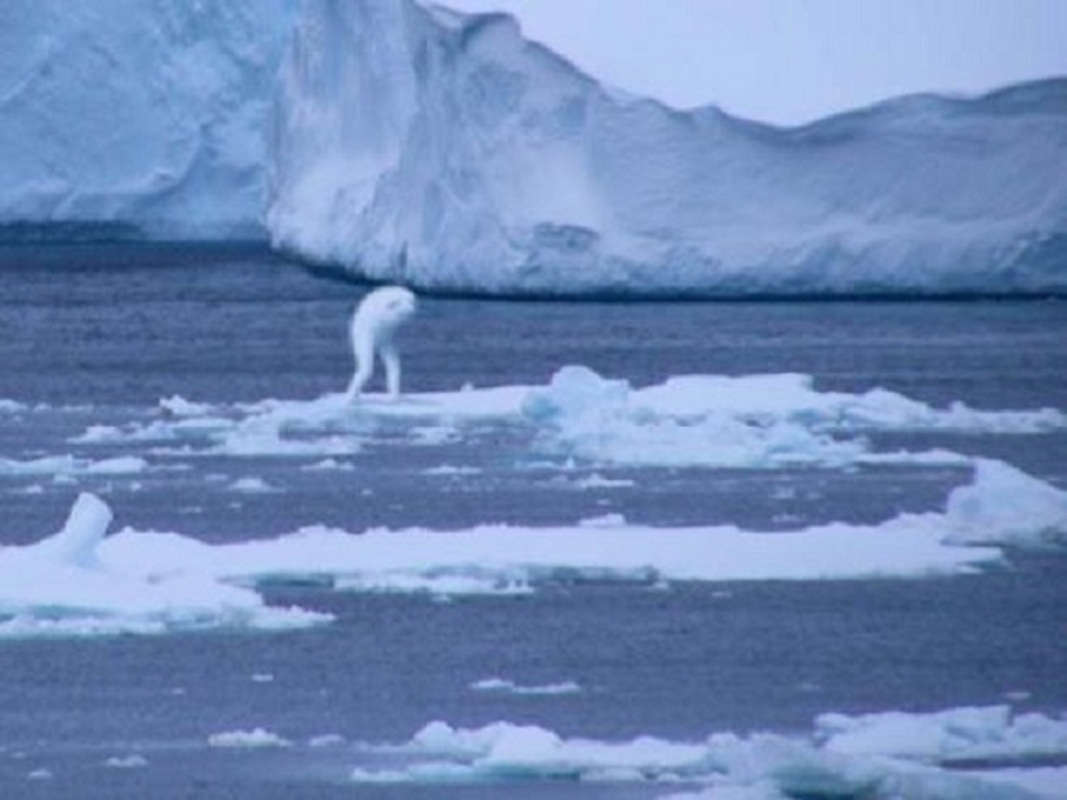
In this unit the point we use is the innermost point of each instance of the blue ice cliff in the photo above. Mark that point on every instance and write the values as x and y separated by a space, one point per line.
145 116
446 151
405 142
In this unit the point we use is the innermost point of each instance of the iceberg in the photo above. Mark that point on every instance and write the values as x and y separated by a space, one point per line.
417 145
145 118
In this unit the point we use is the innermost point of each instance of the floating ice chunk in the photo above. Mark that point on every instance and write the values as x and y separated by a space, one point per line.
85 528
70 466
449 470
510 687
81 582
1044 783
134 761
42 774
747 422
760 791
252 485
598 481
178 406
759 766
255 738
961 734
326 740
1006 506
69 585
328 465
759 421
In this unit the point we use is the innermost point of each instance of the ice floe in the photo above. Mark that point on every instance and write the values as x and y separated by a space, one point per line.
133 761
79 582
255 738
72 466
990 733
761 765
504 686
752 421
67 585
759 421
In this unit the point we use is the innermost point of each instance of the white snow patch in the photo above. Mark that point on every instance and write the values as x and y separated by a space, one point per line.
598 481
68 585
134 761
329 465
504 686
69 466
326 740
252 485
449 470
255 738
961 734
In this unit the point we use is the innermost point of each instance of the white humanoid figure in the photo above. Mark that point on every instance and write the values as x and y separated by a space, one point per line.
374 325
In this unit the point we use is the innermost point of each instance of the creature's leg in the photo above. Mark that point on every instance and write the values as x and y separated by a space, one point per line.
391 359
363 350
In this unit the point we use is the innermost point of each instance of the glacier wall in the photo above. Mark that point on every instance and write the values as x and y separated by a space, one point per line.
147 114
446 151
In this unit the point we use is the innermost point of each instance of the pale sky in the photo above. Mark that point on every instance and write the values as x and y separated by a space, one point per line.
791 61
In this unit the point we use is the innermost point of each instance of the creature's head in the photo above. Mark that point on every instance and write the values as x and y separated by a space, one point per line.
384 310
399 302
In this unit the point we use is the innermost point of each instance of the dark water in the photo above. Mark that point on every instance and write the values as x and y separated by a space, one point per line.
114 329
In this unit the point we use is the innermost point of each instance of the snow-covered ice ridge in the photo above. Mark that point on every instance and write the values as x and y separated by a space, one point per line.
448 152
81 582
765 766
150 116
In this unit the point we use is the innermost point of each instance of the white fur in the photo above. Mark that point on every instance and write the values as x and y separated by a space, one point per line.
374 325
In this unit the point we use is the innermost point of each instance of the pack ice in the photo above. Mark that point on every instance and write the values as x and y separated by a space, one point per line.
446 151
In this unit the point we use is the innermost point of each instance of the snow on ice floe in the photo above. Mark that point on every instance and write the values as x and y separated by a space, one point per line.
255 738
72 467
66 585
80 582
450 152
759 765
760 421
133 761
505 686
991 733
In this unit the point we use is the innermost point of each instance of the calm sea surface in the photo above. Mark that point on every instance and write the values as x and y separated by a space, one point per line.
104 332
